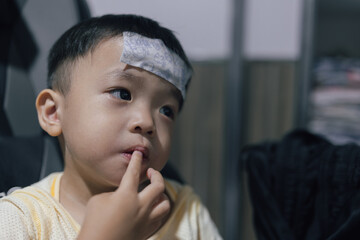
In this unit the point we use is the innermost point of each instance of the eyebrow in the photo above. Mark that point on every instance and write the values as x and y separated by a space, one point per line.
118 73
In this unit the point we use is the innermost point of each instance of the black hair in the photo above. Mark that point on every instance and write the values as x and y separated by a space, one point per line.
85 36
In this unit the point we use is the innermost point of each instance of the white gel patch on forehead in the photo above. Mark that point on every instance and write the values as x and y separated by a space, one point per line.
152 55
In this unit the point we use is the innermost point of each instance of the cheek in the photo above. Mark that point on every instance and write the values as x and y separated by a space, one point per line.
165 135
87 132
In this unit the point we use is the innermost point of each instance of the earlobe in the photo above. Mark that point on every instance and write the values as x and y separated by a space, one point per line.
48 110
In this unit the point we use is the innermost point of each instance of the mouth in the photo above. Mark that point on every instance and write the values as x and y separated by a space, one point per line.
145 152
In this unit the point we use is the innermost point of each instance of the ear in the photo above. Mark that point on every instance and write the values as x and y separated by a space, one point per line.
48 109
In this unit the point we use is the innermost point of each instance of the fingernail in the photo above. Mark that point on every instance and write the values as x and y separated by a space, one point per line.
137 152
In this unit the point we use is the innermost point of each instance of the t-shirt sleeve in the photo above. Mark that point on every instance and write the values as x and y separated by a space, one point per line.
12 222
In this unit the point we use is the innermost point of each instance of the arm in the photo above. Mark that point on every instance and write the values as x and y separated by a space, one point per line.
127 213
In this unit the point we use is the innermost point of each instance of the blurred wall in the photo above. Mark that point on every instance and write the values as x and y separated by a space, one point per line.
271 53
203 27
272 29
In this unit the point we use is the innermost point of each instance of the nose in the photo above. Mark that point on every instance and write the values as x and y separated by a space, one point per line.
142 122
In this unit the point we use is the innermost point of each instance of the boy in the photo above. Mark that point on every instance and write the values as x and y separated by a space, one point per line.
117 84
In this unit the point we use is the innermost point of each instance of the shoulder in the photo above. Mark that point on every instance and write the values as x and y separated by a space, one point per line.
13 224
31 200
47 183
175 189
24 213
183 198
16 219
189 213
44 184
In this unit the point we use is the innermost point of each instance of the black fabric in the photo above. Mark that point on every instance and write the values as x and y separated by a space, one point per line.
15 31
20 161
15 34
5 129
304 187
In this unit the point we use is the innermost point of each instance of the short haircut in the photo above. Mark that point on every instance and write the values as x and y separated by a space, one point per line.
84 37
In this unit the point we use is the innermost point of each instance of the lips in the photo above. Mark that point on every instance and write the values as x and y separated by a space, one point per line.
145 151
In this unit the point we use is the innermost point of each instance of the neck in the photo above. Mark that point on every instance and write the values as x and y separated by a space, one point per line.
75 192
73 197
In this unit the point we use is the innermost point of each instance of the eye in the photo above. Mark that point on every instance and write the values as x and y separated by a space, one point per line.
121 93
167 111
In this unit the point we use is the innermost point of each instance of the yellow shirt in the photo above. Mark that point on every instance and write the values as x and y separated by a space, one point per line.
35 213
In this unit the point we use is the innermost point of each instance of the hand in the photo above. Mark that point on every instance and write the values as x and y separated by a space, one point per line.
127 213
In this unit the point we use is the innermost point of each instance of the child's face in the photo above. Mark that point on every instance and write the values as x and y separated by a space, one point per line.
111 110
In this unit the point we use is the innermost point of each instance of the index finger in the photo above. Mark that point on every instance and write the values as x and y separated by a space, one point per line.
131 177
